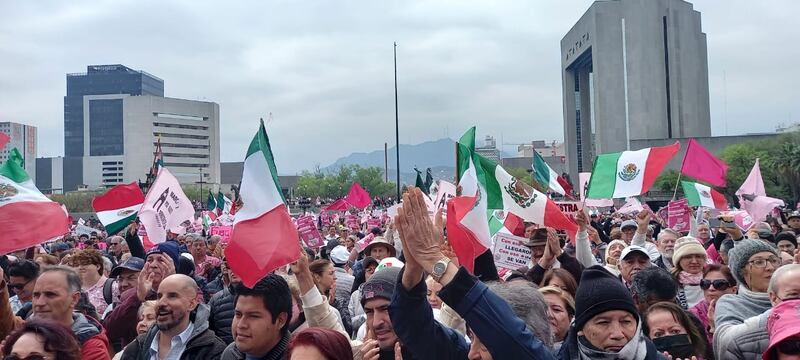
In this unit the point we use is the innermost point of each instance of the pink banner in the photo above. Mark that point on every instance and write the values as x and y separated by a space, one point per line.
678 215
224 232
307 229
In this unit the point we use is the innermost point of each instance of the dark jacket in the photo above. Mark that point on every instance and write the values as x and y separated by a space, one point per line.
569 350
421 335
276 353
222 309
491 318
568 263
203 344
121 322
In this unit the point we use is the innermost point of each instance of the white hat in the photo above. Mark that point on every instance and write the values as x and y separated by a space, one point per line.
389 262
339 255
631 249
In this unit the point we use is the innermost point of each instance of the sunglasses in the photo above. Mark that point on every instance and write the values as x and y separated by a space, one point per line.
17 286
720 284
789 347
29 357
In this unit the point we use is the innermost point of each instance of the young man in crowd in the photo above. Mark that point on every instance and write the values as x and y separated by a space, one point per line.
21 280
261 321
222 306
181 330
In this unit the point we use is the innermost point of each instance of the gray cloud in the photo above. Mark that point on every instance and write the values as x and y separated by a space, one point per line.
324 68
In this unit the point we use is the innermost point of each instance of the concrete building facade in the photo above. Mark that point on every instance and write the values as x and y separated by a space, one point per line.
50 175
633 70
188 131
24 138
114 117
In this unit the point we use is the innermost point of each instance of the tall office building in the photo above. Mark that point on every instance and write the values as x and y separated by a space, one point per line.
633 70
22 137
113 118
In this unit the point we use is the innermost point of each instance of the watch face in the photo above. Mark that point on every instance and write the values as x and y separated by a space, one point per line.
438 268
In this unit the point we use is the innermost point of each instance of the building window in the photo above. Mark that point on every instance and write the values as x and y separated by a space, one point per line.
105 127
180 136
195 156
180 126
186 165
184 146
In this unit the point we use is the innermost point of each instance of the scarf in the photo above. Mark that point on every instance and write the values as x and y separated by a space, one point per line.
635 349
686 278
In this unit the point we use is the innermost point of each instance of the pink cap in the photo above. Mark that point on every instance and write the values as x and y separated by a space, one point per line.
783 323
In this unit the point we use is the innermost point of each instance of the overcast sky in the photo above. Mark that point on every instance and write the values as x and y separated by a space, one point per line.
324 68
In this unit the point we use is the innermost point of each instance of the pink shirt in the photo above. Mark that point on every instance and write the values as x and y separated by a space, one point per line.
95 294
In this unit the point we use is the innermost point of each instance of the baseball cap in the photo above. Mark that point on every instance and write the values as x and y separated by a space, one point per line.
631 249
132 263
389 262
628 223
794 214
339 255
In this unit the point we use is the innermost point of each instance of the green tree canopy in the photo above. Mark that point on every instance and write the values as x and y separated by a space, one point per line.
336 184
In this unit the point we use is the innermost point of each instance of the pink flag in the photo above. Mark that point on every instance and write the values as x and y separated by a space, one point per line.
753 185
702 165
632 206
753 198
4 140
358 197
165 207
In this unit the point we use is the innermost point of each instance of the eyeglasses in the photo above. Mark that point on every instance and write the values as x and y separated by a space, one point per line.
29 357
789 347
719 284
762 263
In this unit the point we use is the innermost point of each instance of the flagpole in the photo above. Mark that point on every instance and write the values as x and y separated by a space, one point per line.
396 124
680 173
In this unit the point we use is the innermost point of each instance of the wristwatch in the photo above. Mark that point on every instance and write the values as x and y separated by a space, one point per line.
439 268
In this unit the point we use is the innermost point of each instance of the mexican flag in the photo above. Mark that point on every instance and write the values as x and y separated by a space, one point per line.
628 173
208 217
544 175
223 204
211 201
263 237
27 217
118 207
489 187
702 195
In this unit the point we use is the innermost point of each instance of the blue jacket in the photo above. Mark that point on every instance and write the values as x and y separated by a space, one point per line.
492 320
420 334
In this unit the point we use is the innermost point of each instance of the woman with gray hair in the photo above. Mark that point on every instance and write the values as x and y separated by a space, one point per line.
752 263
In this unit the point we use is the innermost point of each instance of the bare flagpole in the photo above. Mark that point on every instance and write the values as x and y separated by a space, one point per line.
396 124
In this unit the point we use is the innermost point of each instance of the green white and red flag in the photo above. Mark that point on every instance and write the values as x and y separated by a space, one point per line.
264 236
703 195
118 206
27 217
628 173
547 177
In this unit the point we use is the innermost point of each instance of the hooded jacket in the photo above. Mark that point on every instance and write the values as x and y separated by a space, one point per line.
202 344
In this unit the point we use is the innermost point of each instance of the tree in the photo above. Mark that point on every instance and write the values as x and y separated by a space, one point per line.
337 183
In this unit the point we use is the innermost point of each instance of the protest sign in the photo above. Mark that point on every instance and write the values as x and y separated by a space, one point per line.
678 215
83 229
445 192
509 251
165 207
224 232
307 229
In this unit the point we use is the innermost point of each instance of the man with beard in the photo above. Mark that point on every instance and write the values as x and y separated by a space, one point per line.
181 330
665 241
222 304
159 264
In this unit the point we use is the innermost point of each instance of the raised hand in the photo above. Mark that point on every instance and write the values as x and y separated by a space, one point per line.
420 237
642 221
582 220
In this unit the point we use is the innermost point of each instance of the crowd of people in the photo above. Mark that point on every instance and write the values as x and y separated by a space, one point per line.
627 287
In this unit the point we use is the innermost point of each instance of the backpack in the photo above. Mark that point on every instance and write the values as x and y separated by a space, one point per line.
108 291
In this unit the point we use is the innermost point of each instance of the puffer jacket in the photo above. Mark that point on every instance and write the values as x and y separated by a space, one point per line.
203 344
91 336
222 309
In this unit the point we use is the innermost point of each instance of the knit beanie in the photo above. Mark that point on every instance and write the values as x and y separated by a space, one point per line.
741 253
169 248
380 285
687 245
787 236
598 292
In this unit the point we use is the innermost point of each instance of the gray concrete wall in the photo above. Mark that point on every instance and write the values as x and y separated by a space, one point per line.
599 34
